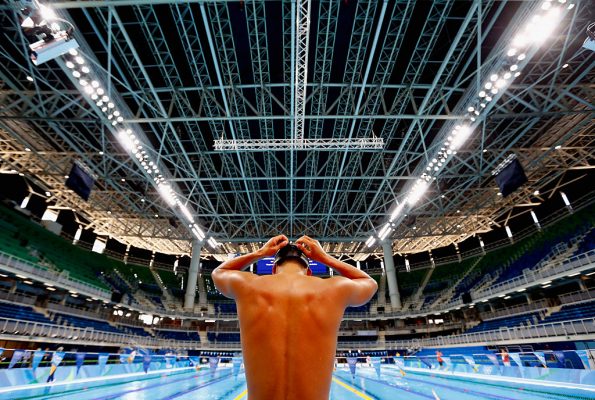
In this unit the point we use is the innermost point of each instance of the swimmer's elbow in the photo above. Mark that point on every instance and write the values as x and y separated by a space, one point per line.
364 291
222 281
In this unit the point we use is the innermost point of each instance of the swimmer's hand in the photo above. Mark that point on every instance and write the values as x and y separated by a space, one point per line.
273 245
311 248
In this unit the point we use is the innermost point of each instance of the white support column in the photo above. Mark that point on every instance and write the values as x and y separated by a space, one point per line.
391 276
192 275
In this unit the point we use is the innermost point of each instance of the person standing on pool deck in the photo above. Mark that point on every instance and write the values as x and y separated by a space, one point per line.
289 321
439 358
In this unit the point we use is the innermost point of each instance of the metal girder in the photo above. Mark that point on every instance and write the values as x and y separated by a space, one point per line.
203 72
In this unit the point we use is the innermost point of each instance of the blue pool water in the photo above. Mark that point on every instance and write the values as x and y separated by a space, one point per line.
365 385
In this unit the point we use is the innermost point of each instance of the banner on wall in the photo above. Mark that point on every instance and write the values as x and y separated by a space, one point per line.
213 362
80 360
57 358
131 356
17 355
102 360
352 362
493 358
37 357
376 363
517 359
541 357
236 363
170 361
194 361
146 362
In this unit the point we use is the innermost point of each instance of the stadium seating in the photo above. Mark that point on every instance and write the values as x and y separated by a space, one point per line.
87 323
133 330
572 311
180 335
508 262
587 244
25 313
226 308
223 337
506 322
359 309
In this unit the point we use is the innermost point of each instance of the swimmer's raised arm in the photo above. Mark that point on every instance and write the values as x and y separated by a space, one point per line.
229 277
358 286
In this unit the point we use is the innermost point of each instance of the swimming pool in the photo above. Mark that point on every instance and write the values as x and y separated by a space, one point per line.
222 384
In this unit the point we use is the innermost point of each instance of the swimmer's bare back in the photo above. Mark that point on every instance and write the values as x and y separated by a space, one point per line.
289 321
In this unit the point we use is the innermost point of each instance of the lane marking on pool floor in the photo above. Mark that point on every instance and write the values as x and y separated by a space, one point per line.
241 395
352 389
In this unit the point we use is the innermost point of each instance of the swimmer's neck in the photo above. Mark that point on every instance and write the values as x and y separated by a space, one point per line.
291 267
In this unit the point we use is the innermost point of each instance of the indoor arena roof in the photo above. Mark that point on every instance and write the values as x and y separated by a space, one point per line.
366 120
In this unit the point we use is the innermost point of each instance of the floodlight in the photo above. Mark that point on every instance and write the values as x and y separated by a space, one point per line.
418 191
186 213
47 13
384 232
460 137
397 211
166 192
126 140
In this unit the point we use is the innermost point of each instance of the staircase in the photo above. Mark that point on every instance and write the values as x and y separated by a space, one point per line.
202 291
136 293
382 290
448 293
423 285
559 253
168 300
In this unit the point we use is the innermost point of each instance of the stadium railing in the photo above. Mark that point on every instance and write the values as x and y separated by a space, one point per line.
575 297
515 310
537 276
19 266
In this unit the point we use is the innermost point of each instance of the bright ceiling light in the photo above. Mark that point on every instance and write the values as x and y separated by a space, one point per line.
397 211
511 52
460 137
186 213
520 40
167 193
418 191
500 83
126 140
47 13
384 232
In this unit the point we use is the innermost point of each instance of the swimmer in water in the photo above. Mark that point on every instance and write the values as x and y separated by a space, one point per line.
289 321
